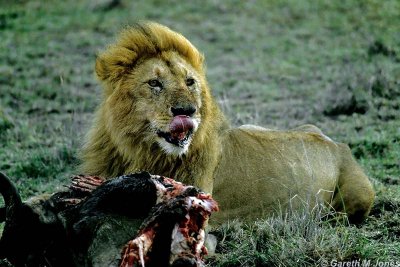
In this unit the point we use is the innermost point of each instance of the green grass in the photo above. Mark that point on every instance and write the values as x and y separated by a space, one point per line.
276 63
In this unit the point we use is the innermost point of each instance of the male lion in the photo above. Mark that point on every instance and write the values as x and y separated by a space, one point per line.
158 115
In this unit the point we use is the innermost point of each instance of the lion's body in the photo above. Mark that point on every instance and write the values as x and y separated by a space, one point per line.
263 172
153 78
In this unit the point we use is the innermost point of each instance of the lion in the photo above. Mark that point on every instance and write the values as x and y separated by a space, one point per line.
158 114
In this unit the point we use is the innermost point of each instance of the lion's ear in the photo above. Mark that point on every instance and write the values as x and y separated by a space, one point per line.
113 63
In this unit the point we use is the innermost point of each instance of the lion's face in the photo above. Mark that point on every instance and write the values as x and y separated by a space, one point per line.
159 102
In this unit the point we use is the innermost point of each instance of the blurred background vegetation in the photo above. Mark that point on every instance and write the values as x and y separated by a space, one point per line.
275 63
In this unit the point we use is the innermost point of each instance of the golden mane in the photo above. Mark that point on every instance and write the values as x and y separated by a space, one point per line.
141 41
115 144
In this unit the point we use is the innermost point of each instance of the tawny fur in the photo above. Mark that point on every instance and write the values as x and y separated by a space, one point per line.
253 170
262 172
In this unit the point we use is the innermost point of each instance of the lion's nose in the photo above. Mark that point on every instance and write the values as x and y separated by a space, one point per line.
188 110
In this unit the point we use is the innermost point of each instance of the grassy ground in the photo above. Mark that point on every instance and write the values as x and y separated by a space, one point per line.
279 64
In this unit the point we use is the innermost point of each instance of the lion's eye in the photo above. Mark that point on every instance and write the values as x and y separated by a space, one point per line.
155 83
190 81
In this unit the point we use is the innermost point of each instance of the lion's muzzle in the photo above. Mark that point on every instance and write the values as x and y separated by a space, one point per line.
181 129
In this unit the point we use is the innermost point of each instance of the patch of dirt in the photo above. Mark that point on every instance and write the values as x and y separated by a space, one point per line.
391 180
379 48
359 92
342 99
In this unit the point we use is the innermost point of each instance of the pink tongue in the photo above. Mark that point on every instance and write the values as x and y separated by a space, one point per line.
180 126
